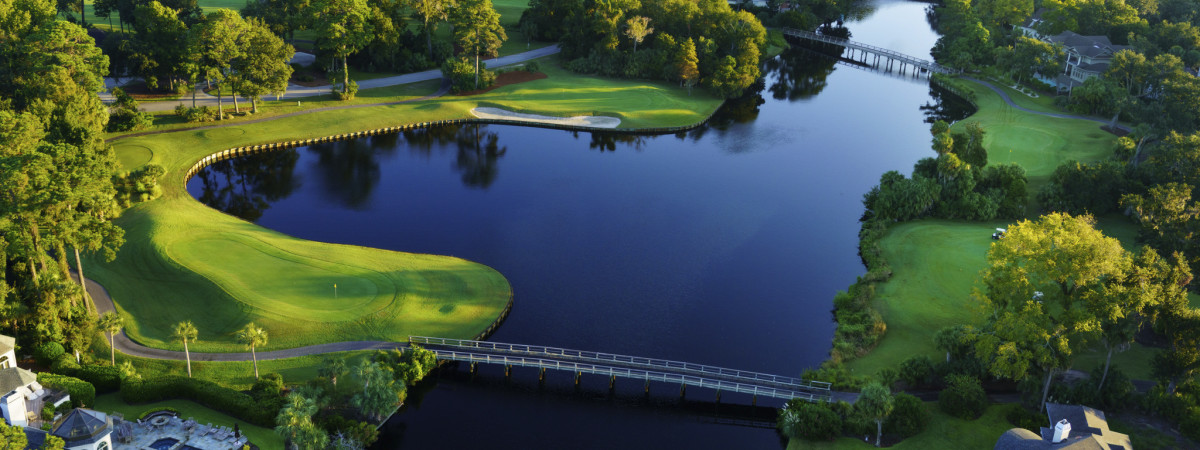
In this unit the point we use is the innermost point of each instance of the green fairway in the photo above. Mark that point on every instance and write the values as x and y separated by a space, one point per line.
936 262
263 437
943 432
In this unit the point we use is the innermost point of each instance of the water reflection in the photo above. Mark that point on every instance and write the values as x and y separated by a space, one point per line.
798 74
945 106
246 186
478 152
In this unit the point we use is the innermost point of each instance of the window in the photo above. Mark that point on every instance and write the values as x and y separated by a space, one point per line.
103 445
3 362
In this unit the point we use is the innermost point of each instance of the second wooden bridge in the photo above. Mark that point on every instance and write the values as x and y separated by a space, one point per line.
872 55
621 366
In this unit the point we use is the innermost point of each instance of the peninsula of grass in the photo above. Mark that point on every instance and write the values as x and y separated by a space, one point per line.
185 261
936 263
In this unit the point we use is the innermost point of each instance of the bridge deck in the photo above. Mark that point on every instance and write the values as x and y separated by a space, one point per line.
648 369
891 54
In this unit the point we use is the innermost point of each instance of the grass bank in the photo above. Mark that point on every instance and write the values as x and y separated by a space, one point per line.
184 261
936 262
265 438
943 432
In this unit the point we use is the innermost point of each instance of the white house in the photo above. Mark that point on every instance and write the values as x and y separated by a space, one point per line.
8 351
85 429
19 392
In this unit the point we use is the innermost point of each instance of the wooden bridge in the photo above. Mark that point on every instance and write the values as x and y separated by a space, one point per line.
872 55
620 366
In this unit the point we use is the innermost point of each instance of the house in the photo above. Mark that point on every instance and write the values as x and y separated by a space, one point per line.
85 429
1087 57
1029 26
8 351
19 391
1074 428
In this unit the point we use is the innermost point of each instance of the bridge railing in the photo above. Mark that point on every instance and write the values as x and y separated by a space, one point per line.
536 350
625 372
849 43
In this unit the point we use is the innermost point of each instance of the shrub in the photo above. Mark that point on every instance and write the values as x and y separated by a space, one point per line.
917 371
268 386
362 432
461 72
65 365
150 412
123 119
909 415
1022 417
105 378
349 93
47 353
812 421
82 393
532 67
198 114
963 397
47 412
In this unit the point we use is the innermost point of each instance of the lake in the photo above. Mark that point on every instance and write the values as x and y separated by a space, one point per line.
723 245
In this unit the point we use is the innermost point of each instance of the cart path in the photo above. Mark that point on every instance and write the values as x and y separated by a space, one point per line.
1004 96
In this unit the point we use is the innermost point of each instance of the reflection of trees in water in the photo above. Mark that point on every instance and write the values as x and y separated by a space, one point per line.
798 74
607 141
246 186
478 152
351 168
945 106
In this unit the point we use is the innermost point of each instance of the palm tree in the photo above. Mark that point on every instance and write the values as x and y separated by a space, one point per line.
253 337
111 324
185 331
332 368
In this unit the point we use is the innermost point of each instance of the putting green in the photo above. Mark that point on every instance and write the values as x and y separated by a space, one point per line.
132 156
309 287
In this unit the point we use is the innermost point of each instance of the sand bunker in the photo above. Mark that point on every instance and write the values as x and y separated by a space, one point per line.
578 121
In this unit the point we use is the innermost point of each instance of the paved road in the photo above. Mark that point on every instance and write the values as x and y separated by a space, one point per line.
1007 99
295 92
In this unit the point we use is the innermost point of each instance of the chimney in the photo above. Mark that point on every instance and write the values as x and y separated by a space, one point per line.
1061 430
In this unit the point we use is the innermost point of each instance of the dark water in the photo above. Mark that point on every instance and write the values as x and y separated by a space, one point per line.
722 246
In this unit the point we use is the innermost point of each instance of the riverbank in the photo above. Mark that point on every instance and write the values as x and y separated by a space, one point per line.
935 262
176 264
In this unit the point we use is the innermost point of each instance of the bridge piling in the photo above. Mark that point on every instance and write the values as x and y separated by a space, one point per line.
612 383
542 376
507 371
682 391
578 376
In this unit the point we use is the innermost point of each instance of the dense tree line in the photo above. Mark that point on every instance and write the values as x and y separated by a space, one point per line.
58 198
694 43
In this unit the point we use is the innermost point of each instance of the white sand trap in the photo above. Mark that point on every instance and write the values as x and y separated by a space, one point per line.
578 121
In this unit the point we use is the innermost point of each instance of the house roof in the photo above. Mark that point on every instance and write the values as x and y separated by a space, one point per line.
1022 439
1033 20
83 426
34 438
1089 431
7 343
1090 46
15 377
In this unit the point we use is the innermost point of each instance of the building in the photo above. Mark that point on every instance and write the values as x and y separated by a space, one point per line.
19 394
85 429
1087 57
8 351
1073 427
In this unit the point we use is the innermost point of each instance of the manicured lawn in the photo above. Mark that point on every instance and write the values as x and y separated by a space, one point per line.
265 438
936 262
1038 143
184 261
943 432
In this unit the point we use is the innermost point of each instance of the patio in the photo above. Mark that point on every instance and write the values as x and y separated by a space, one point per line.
167 432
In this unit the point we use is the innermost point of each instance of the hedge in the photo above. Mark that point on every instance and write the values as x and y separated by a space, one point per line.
83 394
260 412
106 379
